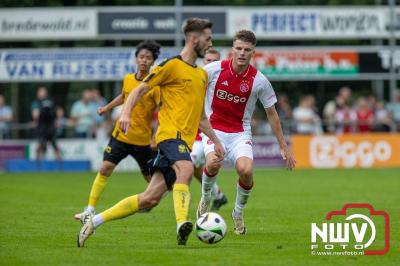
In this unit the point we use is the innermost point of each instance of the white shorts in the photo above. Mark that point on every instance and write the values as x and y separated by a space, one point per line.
236 145
197 154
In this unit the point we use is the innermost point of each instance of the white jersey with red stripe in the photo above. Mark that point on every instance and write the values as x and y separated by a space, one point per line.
231 98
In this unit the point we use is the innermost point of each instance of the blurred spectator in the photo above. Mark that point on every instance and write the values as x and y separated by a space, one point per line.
83 117
306 119
329 112
382 118
394 110
44 117
345 118
6 116
365 116
103 124
259 125
285 112
372 101
97 102
61 122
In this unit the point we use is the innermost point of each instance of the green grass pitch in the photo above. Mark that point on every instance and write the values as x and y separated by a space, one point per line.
36 225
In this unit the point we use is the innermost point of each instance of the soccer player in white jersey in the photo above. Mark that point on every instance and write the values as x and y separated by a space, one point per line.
197 154
234 86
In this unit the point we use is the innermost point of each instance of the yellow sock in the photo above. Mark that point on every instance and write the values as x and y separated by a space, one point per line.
125 207
97 188
181 197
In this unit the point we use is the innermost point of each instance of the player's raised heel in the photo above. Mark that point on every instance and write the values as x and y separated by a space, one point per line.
238 223
203 207
86 231
184 231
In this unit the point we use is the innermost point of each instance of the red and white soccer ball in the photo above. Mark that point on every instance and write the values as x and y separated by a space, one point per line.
210 228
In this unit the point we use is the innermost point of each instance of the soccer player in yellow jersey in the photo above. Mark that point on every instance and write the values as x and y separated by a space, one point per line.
183 86
136 142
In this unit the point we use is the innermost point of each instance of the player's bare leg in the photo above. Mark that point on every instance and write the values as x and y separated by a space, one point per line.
181 195
126 207
154 192
198 172
244 167
147 178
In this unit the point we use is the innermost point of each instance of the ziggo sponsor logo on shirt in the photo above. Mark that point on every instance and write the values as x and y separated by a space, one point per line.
224 95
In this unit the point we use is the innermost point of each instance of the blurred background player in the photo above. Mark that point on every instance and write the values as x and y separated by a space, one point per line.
44 117
102 124
197 153
136 142
211 55
181 114
83 117
234 88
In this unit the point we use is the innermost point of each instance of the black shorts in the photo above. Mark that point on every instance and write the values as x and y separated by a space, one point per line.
170 151
117 150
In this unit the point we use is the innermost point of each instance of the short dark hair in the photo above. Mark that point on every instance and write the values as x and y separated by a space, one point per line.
152 46
196 25
246 36
212 51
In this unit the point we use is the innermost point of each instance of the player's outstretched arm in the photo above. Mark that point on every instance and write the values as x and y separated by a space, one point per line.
275 123
115 102
206 128
134 96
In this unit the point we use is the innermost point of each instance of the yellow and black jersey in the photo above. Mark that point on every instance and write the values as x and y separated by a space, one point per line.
140 130
183 87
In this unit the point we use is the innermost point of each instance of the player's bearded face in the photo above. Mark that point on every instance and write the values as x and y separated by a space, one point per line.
203 43
198 49
242 52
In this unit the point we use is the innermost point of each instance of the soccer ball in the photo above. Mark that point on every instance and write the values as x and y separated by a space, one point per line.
210 228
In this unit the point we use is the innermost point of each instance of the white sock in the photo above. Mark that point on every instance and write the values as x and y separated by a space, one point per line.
207 185
90 209
97 220
214 190
242 195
